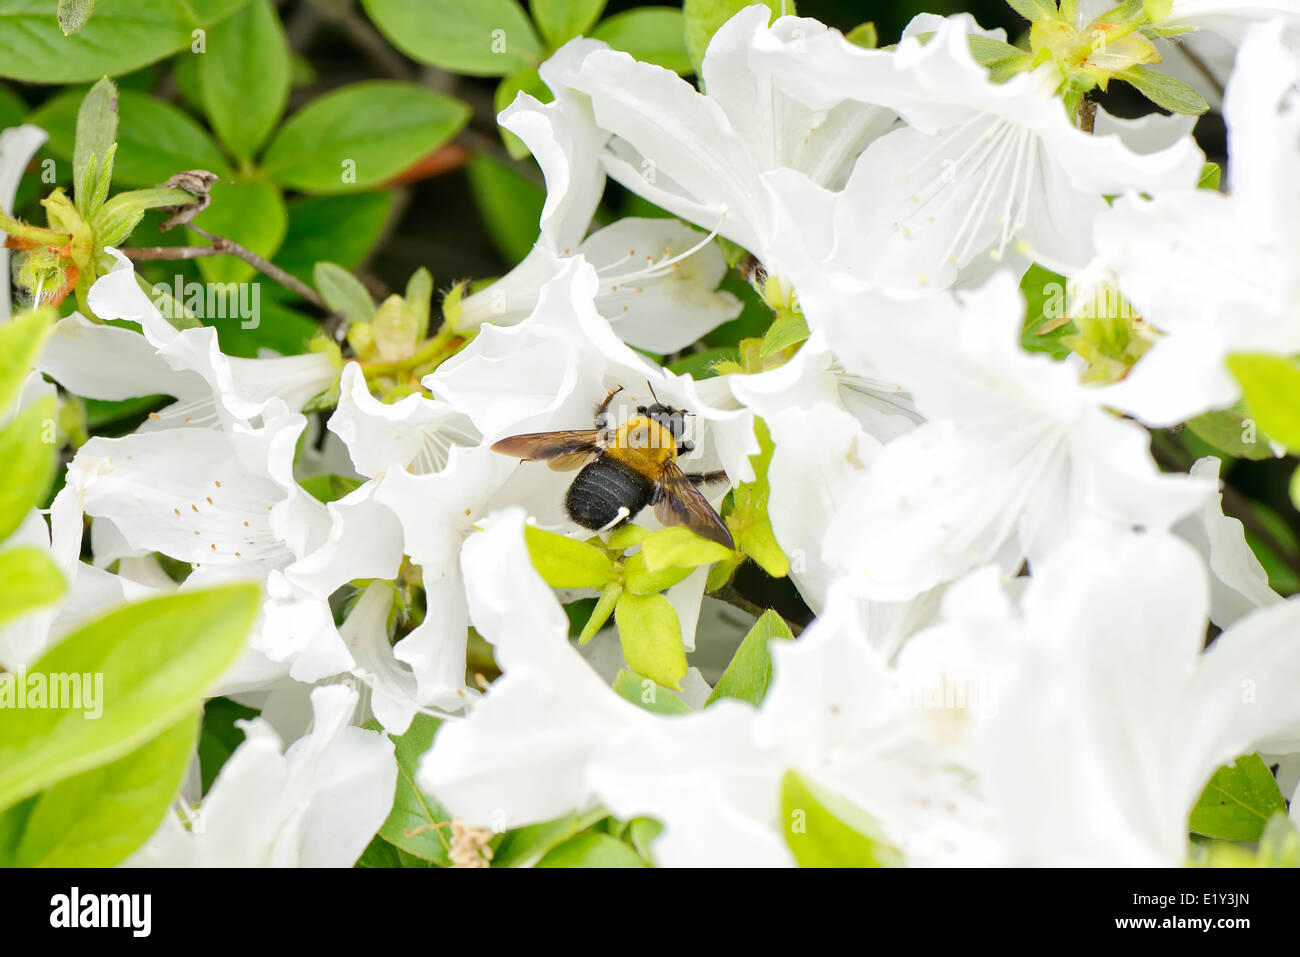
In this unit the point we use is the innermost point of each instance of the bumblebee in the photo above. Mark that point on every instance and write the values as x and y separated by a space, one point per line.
624 469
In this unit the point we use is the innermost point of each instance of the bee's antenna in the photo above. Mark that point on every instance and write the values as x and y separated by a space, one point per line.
652 391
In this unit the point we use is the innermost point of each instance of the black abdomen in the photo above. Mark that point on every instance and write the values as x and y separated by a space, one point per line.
602 488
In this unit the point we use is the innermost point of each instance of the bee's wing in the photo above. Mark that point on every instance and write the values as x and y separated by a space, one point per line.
562 451
678 502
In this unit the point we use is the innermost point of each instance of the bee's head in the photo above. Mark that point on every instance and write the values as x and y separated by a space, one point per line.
674 420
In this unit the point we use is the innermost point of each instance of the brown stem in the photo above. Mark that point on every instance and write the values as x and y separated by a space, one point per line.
736 600
1087 115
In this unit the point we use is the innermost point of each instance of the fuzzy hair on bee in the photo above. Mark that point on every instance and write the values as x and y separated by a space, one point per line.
624 468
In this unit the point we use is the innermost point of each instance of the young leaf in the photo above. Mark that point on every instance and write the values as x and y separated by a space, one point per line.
360 136
1165 91
99 817
73 15
823 830
1238 801
1211 175
526 845
864 35
1272 389
561 20
748 520
484 38
28 580
343 292
21 340
651 34
29 464
592 849
679 546
651 637
600 614
1035 9
640 579
95 136
410 824
648 694
1233 432
565 562
788 329
157 657
244 77
750 671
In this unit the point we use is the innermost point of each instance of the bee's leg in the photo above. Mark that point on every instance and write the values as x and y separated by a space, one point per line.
603 407
686 446
624 513
704 478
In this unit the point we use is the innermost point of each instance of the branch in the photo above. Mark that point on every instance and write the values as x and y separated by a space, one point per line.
221 246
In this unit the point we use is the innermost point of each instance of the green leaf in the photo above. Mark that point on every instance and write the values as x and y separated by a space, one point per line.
864 35
526 845
750 672
154 139
651 637
561 20
73 15
651 34
21 341
703 17
751 528
1165 91
1278 846
343 292
484 38
98 818
343 229
157 657
410 825
510 205
95 136
788 329
1044 293
1002 60
1271 385
220 736
28 580
1232 432
361 136
1035 9
27 452
565 562
640 579
1211 175
379 854
1238 801
679 546
600 614
592 849
12 108
328 487
642 831
123 36
244 77
648 694
823 830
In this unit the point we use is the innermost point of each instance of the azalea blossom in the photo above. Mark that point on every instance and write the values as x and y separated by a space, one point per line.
1217 274
315 804
984 175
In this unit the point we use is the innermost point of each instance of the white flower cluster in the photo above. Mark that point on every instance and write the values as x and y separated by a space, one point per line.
1008 663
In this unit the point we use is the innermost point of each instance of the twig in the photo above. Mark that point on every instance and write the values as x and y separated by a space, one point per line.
221 246
732 597
1087 115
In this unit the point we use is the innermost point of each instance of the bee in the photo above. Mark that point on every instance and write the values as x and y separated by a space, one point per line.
624 469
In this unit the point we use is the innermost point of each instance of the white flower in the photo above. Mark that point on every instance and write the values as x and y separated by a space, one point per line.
982 172
1217 274
317 804
702 156
211 388
226 501
1015 457
1231 18
17 147
1115 719
657 276
415 432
